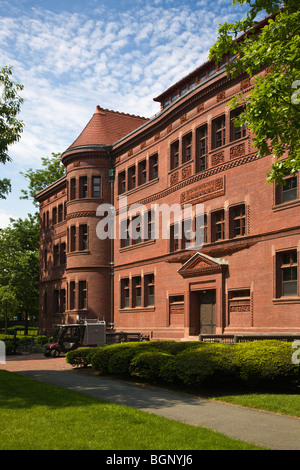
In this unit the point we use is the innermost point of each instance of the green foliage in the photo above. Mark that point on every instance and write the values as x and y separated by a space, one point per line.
148 365
10 127
19 274
270 112
210 363
266 362
199 363
119 362
38 416
81 356
9 347
52 170
100 360
192 367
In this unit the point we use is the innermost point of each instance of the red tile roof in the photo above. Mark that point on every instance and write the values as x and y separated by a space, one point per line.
107 127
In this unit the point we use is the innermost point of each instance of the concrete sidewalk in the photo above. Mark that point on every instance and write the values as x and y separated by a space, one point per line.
261 428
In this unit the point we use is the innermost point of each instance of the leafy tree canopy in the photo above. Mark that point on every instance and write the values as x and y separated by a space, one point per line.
52 169
10 127
19 267
19 248
272 108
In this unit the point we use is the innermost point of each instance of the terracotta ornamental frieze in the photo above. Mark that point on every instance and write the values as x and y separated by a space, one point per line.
76 215
204 192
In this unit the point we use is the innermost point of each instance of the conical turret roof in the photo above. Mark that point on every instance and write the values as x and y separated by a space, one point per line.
106 127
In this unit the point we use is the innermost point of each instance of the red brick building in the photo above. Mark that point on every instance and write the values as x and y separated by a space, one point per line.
245 278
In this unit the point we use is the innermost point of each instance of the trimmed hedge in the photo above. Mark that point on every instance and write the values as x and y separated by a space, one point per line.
208 363
267 362
81 356
11 343
148 365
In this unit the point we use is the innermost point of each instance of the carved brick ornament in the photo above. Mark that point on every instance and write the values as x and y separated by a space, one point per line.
237 151
217 158
174 178
220 96
200 107
245 84
240 308
204 192
186 172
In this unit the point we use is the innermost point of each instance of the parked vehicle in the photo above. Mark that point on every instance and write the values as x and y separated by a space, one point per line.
86 333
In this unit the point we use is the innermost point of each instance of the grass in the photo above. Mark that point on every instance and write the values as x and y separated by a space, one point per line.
38 416
287 404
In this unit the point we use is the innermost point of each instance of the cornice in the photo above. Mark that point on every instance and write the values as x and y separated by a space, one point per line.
174 112
51 190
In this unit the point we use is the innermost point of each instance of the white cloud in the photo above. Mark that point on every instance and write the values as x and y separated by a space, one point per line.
4 218
70 62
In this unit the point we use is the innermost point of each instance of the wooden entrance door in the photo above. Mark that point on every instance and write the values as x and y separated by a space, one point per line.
207 312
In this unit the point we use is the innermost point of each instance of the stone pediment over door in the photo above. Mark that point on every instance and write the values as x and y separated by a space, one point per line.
200 265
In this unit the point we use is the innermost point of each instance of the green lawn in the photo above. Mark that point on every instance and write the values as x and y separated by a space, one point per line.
288 404
38 416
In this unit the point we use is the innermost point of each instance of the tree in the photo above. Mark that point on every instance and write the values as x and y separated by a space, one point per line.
19 268
8 304
10 127
52 170
19 248
272 108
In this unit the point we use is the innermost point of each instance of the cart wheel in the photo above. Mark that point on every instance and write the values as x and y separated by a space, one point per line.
55 353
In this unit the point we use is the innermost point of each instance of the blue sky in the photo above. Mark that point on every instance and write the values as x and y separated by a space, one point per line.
72 55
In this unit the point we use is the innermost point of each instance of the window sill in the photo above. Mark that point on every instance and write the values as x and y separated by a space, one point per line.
77 252
137 309
137 245
138 188
286 300
286 205
179 167
232 143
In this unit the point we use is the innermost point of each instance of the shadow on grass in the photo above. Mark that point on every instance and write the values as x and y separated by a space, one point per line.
17 391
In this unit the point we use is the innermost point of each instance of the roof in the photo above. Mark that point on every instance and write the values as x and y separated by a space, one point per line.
106 127
52 185
192 75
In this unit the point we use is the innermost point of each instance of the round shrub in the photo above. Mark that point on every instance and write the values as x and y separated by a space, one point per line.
266 362
176 347
80 357
192 367
119 362
148 365
101 359
222 359
167 371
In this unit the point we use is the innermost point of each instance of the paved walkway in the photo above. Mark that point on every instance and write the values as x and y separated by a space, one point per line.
261 428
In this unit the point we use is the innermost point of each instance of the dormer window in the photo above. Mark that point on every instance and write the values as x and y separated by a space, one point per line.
183 89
